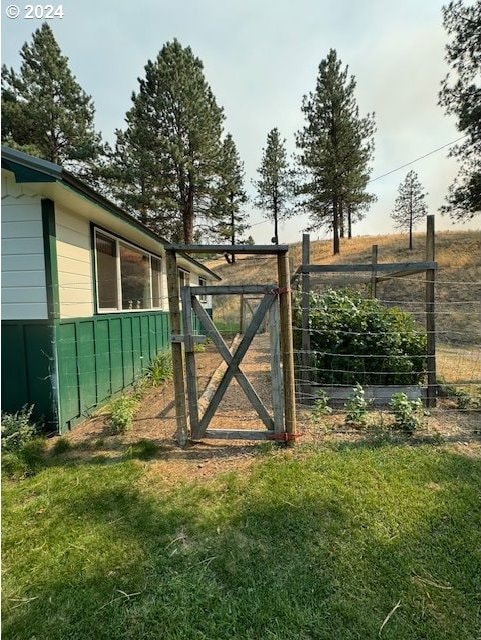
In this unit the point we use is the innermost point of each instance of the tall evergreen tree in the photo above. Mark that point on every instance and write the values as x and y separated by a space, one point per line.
336 146
461 96
275 186
231 196
410 206
45 111
168 161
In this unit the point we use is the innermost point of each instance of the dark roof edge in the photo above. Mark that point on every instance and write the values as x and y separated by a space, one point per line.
58 173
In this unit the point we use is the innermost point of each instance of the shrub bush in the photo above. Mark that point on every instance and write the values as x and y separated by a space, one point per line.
17 429
408 414
357 408
358 340
22 448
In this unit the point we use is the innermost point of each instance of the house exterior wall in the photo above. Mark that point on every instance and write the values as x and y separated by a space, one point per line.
57 354
24 291
74 262
28 369
100 356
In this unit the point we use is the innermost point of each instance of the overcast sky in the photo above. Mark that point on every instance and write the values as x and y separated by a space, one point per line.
260 58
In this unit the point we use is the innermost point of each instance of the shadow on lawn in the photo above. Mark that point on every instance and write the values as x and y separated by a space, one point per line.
298 554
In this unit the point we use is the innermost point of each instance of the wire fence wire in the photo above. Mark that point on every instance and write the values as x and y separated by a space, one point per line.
457 332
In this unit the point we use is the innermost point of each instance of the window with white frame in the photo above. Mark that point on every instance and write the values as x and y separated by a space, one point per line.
184 278
128 278
203 296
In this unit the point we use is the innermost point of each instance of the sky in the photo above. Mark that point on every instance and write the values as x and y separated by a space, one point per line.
260 58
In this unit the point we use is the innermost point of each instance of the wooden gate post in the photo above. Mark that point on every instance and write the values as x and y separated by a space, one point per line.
191 378
306 336
430 314
182 432
287 343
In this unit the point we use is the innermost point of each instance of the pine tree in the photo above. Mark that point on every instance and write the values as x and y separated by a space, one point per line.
275 185
410 206
45 111
335 146
461 97
167 162
230 196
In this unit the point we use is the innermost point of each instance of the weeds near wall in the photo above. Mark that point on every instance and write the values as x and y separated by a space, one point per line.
122 410
160 369
22 448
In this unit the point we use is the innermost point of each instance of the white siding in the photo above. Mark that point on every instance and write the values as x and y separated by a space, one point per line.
24 291
76 289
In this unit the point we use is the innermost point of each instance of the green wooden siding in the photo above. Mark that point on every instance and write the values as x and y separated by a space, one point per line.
100 356
95 358
27 368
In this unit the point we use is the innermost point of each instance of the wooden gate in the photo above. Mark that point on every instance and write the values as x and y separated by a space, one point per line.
268 308
277 303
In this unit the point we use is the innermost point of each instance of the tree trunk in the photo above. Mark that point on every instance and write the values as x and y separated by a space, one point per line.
335 227
411 220
232 223
188 217
276 213
349 222
341 219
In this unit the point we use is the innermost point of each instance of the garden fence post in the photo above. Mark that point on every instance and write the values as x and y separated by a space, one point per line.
182 433
430 314
374 272
287 345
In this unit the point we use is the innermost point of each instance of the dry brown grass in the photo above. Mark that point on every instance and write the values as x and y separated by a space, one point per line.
459 365
454 250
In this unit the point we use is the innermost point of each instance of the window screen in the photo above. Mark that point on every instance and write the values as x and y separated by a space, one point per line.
134 278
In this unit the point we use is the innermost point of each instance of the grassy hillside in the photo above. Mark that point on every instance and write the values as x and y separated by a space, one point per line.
454 250
458 287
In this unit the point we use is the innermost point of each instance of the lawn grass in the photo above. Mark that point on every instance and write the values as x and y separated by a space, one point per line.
312 544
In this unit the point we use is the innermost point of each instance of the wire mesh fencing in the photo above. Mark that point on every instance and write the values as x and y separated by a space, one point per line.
380 342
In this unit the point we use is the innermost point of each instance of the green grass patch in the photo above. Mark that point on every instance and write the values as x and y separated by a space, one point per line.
308 545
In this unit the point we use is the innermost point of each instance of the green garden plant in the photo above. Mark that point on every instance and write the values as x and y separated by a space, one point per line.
122 410
358 340
160 369
320 410
408 414
357 408
17 429
22 447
